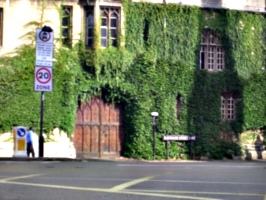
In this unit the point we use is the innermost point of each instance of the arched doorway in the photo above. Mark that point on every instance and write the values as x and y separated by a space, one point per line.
98 129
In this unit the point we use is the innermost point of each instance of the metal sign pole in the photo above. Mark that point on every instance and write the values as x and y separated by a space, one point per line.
41 140
154 138
154 115
43 70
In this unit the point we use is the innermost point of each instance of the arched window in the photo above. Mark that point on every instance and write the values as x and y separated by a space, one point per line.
109 26
104 29
90 26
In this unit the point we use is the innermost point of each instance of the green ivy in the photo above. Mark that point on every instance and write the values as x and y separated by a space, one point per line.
158 61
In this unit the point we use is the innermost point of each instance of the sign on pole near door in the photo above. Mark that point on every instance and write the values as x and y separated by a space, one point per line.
43 79
44 48
43 75
44 60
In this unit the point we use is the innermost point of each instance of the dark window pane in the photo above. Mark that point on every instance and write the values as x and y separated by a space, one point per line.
113 33
103 32
65 40
65 32
90 42
202 57
104 21
90 20
114 43
114 15
104 42
113 23
65 21
90 32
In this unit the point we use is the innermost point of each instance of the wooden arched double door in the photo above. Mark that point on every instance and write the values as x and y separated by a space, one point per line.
98 130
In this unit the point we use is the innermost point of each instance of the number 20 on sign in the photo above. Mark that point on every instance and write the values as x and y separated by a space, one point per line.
43 79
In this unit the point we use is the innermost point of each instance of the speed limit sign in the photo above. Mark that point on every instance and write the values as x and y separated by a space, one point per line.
43 79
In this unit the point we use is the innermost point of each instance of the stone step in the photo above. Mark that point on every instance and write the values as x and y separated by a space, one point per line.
51 149
255 155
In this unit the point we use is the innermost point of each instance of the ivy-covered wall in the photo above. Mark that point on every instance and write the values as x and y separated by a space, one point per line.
20 104
160 60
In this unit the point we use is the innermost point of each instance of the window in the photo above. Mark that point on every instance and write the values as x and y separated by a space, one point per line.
211 52
66 25
109 26
89 26
228 109
1 26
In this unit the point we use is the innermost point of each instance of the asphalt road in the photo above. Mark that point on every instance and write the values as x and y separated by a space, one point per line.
127 180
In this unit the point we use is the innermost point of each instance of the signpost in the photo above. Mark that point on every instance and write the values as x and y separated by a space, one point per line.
44 48
43 79
20 144
43 70
178 138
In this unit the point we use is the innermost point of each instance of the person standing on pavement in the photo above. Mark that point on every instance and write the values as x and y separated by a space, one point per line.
29 138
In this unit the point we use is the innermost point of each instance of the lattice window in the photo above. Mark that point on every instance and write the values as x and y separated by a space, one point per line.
66 25
228 109
109 26
211 52
1 26
89 27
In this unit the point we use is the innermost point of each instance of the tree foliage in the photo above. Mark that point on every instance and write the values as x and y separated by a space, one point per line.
159 61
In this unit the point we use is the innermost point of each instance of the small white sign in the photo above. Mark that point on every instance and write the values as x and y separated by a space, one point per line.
43 79
179 137
44 37
44 48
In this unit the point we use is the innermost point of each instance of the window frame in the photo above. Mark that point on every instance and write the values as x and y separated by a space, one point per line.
212 56
89 38
66 39
228 106
109 39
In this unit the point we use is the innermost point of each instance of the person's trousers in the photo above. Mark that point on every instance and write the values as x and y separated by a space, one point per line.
30 150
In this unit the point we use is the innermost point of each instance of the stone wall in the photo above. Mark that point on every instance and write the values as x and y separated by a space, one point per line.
18 13
58 145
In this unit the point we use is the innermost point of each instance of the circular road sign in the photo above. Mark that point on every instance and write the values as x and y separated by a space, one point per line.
21 132
44 36
43 75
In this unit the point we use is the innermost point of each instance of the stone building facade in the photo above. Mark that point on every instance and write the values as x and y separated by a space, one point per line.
17 15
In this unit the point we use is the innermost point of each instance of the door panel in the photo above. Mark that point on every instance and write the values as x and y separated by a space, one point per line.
98 130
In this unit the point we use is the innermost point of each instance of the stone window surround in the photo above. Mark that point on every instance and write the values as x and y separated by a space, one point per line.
67 12
228 106
211 52
96 5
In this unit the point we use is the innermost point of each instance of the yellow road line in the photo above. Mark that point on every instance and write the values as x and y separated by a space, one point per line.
167 195
18 177
201 182
196 192
136 181
111 191
130 183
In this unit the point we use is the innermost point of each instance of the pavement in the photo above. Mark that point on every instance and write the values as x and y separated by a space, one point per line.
65 151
